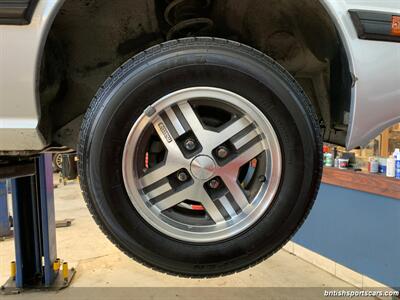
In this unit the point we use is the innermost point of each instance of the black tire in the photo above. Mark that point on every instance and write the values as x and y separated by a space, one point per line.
175 65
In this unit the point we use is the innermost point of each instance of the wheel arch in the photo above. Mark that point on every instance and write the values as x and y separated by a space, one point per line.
56 97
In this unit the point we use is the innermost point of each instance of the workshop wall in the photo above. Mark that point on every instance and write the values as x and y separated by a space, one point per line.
356 229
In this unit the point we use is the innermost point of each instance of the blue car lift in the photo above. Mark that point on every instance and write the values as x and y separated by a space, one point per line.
5 224
36 264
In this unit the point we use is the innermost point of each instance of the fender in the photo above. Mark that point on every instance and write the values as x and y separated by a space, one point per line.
20 60
376 80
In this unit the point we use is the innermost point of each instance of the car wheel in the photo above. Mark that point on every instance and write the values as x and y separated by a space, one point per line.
57 162
200 157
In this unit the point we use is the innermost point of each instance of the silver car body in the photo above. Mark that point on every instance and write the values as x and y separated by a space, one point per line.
375 66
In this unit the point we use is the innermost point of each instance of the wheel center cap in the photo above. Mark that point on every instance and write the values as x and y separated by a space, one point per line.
202 167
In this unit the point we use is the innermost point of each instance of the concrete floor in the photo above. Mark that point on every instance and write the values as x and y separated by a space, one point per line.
100 264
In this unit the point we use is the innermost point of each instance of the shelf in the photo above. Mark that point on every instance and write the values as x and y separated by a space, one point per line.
364 182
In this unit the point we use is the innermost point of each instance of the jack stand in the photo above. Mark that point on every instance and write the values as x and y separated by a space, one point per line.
36 266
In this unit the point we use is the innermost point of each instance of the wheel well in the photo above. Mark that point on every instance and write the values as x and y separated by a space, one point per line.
90 39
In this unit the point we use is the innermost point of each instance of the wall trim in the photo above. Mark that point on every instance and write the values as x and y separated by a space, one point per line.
363 182
342 272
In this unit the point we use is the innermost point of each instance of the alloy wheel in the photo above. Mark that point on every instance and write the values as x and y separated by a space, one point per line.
202 164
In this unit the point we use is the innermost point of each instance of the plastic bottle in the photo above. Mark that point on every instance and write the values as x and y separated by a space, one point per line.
391 167
382 165
329 160
374 166
396 156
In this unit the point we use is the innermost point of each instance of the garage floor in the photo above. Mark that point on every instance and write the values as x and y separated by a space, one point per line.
100 264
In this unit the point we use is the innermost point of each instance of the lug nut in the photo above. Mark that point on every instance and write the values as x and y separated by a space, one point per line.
222 152
182 176
190 144
214 184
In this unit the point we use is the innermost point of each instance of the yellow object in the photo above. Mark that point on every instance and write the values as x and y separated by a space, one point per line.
13 269
65 271
56 265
